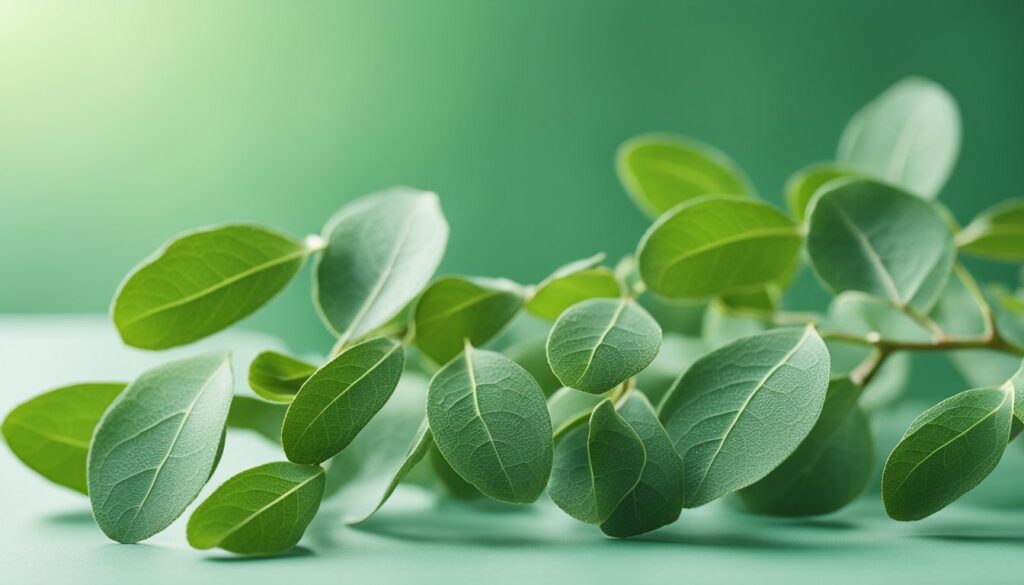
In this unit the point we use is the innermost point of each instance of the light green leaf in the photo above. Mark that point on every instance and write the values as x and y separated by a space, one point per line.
277 377
946 452
569 408
263 510
908 136
339 399
880 240
998 233
156 446
491 423
715 245
600 343
571 284
857 313
202 282
657 498
381 251
259 416
454 309
801 187
660 171
957 311
741 410
1016 384
829 469
51 432
596 466
764 300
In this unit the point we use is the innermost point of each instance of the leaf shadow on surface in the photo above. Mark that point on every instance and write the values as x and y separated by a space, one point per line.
70 518
295 553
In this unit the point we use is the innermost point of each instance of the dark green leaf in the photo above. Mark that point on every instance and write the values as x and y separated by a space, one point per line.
277 377
454 309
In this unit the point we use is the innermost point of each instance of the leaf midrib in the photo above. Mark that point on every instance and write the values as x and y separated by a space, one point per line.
269 505
747 235
601 339
476 407
873 257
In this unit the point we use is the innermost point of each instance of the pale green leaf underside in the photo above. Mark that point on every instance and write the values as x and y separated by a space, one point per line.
571 284
454 309
277 377
998 233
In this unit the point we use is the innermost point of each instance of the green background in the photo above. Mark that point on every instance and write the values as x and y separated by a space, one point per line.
124 123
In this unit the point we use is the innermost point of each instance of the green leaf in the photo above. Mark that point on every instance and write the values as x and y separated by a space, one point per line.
887 385
722 325
657 499
765 300
569 408
715 245
532 355
801 187
381 251
860 314
661 171
156 445
51 432
998 233
571 284
202 282
676 355
263 510
451 481
741 410
596 466
454 309
1016 384
599 344
946 452
261 417
277 377
829 469
491 423
909 136
880 240
339 399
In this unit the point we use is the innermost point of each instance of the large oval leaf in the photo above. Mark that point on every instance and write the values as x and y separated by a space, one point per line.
491 423
877 239
717 244
998 233
947 451
454 309
381 251
571 284
596 466
908 136
801 187
263 510
339 399
278 377
203 281
599 344
741 410
51 432
157 445
660 171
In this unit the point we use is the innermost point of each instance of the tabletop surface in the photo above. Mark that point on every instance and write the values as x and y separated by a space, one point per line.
47 534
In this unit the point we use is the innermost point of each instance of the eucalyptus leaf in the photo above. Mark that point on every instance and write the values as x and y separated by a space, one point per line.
491 423
259 416
741 410
277 377
998 233
600 343
801 187
51 432
571 284
765 300
263 510
381 251
203 281
339 400
714 245
156 446
877 239
908 136
569 408
451 482
660 171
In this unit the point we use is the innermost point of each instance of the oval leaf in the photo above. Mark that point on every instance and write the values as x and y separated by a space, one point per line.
715 245
599 344
51 432
455 309
741 410
339 399
908 136
571 284
491 423
156 446
263 510
381 251
801 187
277 377
998 233
596 466
203 281
659 172
880 240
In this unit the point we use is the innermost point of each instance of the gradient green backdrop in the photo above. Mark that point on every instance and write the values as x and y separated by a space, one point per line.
122 124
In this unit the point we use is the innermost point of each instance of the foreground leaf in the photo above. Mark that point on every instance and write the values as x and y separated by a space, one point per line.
156 446
571 284
454 309
263 510
600 343
801 187
946 452
277 377
715 245
381 251
202 282
491 423
998 233
741 410
51 432
339 399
